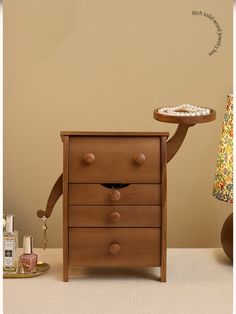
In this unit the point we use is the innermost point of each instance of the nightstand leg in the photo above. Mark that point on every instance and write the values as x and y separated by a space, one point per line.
163 274
65 274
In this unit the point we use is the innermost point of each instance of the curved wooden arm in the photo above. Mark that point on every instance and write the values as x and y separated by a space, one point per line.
174 144
55 194
184 122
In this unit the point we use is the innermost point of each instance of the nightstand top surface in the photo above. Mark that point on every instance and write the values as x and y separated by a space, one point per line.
101 133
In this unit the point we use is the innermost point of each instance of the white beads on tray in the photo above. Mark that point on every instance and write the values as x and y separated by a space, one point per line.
185 110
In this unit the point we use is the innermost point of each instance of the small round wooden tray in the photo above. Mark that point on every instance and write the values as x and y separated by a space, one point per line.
41 268
183 119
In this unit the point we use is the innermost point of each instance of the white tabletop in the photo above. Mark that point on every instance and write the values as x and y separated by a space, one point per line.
198 281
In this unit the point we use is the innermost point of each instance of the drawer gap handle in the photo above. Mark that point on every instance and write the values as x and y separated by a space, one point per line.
114 185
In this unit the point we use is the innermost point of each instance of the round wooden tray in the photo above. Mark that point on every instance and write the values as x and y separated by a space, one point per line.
41 268
184 120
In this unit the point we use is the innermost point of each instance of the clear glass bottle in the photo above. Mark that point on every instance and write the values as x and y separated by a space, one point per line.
28 260
4 217
10 244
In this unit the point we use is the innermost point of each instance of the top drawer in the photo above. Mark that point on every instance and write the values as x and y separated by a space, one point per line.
119 159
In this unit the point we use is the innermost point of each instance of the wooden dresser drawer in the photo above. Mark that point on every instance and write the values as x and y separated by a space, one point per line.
117 159
97 194
114 216
114 247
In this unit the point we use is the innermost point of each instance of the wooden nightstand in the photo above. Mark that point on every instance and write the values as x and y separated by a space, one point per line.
114 196
114 193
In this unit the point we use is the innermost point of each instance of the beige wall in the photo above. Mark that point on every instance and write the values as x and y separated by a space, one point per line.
105 65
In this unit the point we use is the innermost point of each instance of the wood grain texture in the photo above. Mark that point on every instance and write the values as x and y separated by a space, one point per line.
96 194
164 209
65 208
55 194
102 216
114 189
91 247
101 134
115 159
185 119
174 144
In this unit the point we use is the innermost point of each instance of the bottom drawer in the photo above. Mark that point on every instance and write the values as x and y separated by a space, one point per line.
114 247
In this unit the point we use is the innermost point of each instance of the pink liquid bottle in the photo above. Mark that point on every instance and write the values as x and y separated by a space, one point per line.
28 260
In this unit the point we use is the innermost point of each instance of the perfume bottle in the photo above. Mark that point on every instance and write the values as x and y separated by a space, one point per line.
4 216
28 260
10 244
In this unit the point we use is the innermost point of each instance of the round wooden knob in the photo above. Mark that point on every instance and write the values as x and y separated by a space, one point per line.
89 158
115 196
115 248
114 217
139 158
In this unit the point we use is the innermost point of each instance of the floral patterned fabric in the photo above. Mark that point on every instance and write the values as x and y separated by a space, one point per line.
223 185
